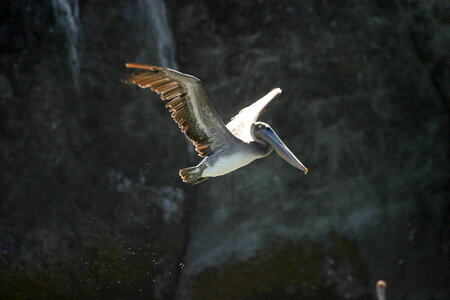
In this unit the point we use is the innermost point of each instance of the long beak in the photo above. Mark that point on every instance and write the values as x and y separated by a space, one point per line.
272 138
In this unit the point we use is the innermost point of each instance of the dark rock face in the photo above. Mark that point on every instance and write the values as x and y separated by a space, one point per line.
92 205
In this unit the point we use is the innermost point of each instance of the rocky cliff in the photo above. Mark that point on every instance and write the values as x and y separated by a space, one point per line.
92 205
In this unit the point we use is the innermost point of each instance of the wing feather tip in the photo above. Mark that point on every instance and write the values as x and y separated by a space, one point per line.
132 65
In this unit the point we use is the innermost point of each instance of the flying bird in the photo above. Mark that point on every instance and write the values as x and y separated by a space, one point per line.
224 148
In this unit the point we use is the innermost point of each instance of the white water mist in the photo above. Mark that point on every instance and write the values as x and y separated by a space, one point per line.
67 16
154 16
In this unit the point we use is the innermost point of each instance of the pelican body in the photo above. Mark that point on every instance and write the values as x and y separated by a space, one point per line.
224 148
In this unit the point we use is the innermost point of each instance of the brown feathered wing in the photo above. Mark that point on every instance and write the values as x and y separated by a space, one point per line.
188 102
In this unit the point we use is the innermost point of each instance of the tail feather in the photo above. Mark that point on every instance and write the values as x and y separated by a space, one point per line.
193 174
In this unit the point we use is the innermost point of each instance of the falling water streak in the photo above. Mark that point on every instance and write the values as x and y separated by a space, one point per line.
67 16
160 38
155 16
156 21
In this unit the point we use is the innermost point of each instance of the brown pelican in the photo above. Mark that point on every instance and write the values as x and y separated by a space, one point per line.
225 148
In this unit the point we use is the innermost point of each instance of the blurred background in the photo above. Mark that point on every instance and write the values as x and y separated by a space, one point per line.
91 202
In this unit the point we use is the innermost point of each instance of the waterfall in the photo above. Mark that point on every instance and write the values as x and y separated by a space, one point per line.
159 35
67 16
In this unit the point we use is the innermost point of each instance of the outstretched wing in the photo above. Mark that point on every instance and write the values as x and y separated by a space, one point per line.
188 103
240 125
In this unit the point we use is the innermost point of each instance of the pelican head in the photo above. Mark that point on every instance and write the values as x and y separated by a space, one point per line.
263 132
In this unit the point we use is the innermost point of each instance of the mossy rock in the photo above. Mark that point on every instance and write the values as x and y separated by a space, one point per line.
288 270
